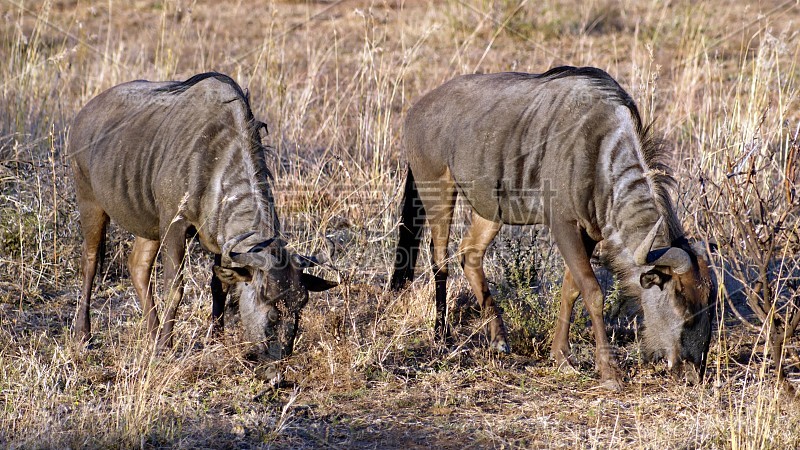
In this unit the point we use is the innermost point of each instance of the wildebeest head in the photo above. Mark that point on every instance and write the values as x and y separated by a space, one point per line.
274 290
678 291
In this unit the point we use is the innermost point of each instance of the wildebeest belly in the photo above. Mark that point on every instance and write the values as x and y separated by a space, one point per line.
136 219
500 201
124 187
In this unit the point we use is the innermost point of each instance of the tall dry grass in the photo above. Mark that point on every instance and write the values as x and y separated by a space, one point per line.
333 81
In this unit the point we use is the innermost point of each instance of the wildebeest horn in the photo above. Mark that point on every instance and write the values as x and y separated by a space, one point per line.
228 246
256 257
640 255
252 258
675 258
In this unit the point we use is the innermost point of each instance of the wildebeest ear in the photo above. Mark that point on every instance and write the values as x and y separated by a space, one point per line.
260 124
654 277
316 284
232 275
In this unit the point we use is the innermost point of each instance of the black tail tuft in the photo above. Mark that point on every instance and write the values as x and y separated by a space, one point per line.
407 251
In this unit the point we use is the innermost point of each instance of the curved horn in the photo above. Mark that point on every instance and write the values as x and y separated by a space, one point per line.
228 246
256 259
640 255
675 258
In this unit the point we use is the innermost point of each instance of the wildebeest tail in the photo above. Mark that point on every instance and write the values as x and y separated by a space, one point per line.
412 217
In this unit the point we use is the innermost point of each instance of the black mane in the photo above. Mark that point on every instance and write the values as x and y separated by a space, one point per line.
179 87
603 81
653 151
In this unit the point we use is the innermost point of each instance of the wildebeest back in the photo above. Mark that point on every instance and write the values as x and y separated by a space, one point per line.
145 146
523 144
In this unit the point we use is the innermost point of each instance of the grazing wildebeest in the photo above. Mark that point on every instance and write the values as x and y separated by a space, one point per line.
170 158
566 149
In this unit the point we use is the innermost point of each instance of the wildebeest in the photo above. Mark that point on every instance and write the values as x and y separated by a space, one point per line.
567 149
163 159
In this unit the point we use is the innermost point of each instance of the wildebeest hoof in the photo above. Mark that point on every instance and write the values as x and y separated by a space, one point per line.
501 346
565 363
442 333
687 372
611 384
566 367
82 337
270 373
89 343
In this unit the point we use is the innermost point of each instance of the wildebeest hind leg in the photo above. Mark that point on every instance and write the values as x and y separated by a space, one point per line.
439 198
473 248
570 242
93 227
140 264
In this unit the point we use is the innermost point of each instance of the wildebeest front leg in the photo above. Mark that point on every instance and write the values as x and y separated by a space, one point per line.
559 350
473 248
569 239
172 253
140 264
219 292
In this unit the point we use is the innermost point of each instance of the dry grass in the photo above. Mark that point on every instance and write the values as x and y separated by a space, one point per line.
333 80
